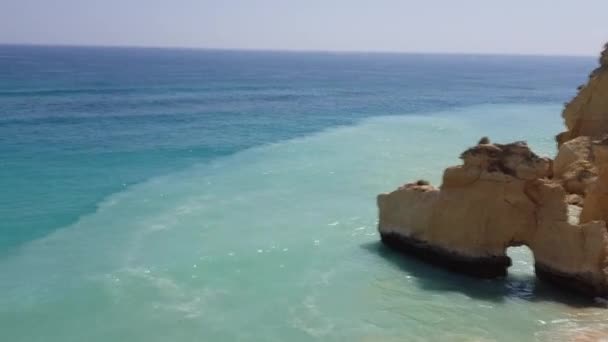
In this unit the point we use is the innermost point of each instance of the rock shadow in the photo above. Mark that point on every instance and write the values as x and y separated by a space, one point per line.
519 286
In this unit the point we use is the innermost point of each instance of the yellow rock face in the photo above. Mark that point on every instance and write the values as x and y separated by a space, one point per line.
587 113
575 165
505 195
596 201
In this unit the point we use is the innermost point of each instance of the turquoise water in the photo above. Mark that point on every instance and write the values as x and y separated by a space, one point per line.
136 214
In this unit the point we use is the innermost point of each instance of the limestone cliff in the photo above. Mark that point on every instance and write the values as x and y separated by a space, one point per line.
587 113
505 195
596 201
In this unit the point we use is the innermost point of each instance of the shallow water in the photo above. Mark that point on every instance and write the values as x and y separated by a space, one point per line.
169 195
279 242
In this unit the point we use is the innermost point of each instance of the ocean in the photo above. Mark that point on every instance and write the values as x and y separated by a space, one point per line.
209 195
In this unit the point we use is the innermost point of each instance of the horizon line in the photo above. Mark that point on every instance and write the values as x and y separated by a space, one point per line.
279 50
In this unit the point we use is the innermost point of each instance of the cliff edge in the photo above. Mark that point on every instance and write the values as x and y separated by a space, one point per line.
505 195
587 113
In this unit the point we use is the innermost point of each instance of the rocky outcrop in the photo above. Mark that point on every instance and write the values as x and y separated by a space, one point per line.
587 113
596 202
504 195
575 165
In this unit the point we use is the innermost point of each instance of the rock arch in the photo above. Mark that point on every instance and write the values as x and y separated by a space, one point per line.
504 194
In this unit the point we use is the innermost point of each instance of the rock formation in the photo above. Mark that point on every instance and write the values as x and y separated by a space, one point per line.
587 113
504 195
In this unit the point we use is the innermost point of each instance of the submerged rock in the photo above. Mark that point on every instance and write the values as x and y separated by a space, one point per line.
505 195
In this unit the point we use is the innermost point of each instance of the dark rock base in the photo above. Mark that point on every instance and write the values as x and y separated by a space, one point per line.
487 267
573 282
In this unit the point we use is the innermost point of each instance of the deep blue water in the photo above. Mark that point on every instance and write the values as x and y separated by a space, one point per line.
80 123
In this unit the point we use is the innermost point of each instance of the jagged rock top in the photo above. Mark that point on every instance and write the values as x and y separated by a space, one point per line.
514 159
420 185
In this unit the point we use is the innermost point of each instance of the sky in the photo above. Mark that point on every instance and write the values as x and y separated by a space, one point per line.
548 27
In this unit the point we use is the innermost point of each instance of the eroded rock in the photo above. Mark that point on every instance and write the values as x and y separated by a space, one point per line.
505 195
587 113
596 201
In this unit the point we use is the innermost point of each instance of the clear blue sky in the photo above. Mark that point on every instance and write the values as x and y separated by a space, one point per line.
575 27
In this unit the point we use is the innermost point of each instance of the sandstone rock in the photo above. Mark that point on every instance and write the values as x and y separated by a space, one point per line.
500 197
596 201
587 113
505 195
567 253
579 176
481 209
570 152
